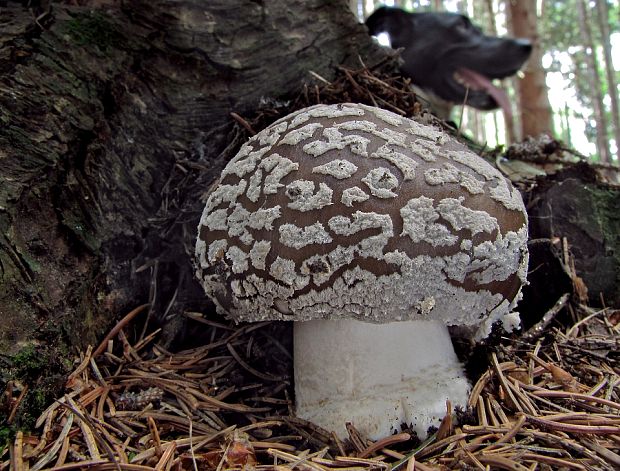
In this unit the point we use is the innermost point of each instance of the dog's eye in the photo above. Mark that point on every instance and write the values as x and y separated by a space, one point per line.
463 24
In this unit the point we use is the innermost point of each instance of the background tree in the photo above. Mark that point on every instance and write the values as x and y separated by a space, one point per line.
602 16
491 16
532 90
562 42
592 71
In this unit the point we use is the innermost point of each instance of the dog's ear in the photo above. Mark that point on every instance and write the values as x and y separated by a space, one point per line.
376 23
388 20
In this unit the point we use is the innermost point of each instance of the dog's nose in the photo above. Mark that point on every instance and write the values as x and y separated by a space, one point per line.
524 44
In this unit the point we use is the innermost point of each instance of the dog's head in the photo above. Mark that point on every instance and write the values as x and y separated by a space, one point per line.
444 53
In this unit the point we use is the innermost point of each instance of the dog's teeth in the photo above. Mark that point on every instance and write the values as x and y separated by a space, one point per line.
520 74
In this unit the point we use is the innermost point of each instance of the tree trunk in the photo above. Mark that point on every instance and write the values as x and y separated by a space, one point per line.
602 145
566 116
612 86
113 124
354 7
532 90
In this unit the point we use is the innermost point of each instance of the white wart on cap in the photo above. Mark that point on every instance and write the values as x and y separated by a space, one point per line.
340 214
351 211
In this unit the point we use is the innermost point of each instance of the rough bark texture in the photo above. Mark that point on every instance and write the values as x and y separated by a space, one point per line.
110 122
534 102
575 205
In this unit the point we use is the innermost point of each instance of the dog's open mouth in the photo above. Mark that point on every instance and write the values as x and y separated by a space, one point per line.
475 81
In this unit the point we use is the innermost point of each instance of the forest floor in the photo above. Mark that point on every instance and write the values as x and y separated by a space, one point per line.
549 402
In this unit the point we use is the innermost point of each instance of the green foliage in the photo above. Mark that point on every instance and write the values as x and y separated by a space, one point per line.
560 24
6 435
562 38
27 361
559 30
43 369
614 14
93 29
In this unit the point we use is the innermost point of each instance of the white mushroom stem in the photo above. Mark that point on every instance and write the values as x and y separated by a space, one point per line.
377 376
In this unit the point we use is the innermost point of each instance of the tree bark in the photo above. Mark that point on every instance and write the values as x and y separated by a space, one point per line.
113 124
573 204
612 86
354 7
532 90
596 94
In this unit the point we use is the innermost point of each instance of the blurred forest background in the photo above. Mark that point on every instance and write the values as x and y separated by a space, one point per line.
579 60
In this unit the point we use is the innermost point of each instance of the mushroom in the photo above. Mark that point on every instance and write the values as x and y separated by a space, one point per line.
374 232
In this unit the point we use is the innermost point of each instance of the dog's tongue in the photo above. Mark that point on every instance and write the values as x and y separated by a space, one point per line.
478 81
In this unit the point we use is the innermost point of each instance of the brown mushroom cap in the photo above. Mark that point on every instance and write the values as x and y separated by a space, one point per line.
351 211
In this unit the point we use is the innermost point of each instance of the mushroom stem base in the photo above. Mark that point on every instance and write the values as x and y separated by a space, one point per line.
376 376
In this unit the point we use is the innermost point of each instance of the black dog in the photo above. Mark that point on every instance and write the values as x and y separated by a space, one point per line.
449 58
